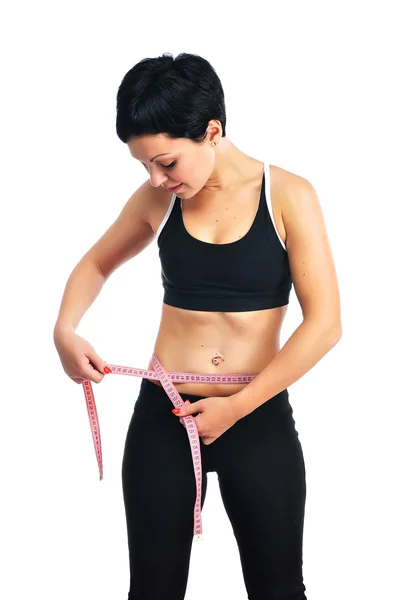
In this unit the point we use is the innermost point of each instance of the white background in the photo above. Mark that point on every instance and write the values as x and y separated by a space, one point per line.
322 89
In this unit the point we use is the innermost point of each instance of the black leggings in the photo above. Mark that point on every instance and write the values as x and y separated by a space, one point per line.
261 473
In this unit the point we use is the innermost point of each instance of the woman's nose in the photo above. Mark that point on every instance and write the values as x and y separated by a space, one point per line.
157 179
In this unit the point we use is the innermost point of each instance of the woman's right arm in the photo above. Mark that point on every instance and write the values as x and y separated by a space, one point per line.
125 238
82 288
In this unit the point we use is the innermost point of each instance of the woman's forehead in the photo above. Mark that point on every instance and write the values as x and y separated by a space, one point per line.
150 147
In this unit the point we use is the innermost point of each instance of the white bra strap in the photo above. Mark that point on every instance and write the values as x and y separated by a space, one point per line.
267 169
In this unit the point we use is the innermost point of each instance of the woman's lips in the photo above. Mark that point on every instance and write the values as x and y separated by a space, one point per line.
175 189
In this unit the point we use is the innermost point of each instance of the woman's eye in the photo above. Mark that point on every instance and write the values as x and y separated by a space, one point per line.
163 166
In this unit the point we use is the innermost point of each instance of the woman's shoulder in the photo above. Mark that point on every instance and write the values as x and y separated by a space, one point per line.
286 185
282 178
285 188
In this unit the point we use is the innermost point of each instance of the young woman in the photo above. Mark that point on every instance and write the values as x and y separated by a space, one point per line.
234 235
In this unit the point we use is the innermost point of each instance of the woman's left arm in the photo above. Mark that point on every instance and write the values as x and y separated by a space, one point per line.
315 283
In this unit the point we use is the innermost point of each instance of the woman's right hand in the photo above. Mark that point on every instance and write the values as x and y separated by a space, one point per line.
79 359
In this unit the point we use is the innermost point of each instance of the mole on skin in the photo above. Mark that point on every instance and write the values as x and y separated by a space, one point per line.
216 359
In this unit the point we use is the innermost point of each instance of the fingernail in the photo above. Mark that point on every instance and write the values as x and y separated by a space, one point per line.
176 411
107 370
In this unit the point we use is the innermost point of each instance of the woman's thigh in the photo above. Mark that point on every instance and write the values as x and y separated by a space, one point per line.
261 474
159 490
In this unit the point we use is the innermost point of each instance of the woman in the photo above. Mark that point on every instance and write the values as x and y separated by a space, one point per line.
234 235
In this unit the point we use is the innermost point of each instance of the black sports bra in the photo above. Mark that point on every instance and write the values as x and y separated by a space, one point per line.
252 273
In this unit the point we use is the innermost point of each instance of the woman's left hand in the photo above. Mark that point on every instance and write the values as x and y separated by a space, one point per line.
216 415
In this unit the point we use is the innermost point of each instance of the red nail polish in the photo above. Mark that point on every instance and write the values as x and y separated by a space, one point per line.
176 411
107 370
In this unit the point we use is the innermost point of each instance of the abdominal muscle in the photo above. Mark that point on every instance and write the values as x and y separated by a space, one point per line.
245 342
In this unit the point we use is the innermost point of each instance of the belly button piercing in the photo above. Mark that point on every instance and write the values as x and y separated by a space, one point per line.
217 358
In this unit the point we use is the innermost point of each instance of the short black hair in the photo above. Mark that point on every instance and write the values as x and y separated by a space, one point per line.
175 96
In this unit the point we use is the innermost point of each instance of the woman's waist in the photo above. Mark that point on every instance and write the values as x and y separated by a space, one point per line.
201 356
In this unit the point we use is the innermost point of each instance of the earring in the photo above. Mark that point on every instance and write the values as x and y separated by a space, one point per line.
213 143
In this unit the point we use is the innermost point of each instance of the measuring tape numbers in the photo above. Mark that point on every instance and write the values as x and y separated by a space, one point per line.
167 380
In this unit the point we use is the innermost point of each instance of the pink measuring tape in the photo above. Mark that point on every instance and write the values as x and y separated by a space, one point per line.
166 379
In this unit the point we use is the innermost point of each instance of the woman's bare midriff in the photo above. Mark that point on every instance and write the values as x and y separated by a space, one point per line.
188 340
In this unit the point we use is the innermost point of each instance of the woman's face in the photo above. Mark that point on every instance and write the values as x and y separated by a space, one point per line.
171 162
